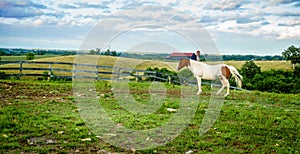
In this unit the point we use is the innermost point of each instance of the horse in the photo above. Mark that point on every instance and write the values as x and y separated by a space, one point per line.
211 72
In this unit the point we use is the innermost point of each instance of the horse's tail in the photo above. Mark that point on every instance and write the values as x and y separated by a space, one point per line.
237 76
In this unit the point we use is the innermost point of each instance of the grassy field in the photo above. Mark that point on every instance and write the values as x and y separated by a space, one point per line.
265 65
134 63
42 117
143 64
20 58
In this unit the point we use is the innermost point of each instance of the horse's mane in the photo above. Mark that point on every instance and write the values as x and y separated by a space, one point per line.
197 62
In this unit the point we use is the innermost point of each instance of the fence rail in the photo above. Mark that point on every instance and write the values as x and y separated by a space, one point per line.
92 71
91 74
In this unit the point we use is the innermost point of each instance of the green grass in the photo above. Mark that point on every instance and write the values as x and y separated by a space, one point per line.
22 58
125 63
143 64
41 117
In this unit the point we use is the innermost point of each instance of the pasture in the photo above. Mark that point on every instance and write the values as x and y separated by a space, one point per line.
42 117
141 64
20 58
109 61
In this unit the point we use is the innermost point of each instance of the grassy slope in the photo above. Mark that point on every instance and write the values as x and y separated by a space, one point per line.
110 61
143 64
20 58
41 117
265 65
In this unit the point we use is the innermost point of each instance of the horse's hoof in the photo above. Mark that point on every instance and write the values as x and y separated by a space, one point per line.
198 93
226 95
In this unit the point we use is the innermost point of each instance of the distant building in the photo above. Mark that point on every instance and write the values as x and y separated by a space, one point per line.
179 56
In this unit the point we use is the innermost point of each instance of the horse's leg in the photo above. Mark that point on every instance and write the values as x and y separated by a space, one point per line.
223 85
199 85
228 86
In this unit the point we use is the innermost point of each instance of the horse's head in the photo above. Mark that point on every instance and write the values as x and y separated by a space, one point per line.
183 63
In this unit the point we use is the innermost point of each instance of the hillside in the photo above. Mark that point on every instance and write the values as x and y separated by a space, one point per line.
110 61
136 63
41 117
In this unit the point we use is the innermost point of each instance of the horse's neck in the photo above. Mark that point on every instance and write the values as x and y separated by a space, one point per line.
196 66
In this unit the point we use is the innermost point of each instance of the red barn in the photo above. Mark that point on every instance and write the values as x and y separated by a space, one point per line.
179 55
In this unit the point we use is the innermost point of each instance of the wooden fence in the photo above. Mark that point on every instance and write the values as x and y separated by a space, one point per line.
74 70
97 72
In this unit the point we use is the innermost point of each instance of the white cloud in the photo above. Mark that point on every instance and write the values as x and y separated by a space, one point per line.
277 19
225 5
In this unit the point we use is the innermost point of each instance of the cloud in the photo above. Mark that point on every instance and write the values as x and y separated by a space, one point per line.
295 3
276 19
81 5
225 5
67 6
250 19
21 3
290 23
89 5
20 9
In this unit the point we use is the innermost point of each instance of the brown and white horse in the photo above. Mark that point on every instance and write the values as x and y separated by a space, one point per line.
211 72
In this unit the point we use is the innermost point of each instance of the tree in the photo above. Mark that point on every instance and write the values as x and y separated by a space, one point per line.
2 53
292 54
107 52
92 52
29 56
250 69
113 53
98 51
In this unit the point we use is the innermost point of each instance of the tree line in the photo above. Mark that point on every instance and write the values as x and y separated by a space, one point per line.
157 56
279 81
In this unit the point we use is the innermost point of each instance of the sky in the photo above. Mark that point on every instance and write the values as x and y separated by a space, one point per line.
216 26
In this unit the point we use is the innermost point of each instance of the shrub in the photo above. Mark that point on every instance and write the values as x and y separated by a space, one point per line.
250 69
3 76
29 56
160 74
278 81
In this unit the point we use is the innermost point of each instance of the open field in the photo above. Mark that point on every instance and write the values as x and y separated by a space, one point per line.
265 65
42 117
20 58
138 63
110 61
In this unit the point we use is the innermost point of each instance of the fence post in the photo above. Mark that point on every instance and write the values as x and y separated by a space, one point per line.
136 76
169 79
97 73
21 68
118 75
73 72
50 72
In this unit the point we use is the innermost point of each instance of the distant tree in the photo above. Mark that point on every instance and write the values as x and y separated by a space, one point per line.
92 52
292 54
40 52
297 72
114 53
2 52
97 51
250 69
107 52
29 56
